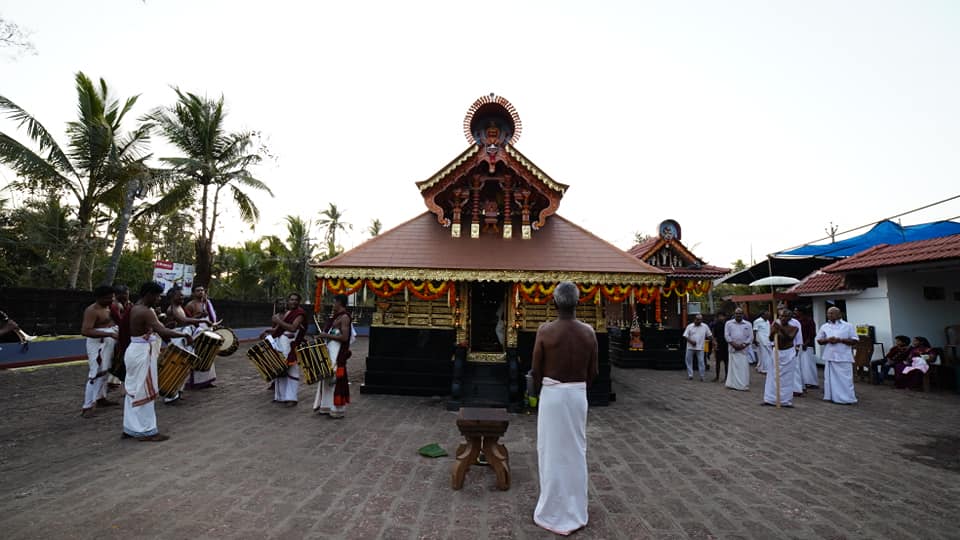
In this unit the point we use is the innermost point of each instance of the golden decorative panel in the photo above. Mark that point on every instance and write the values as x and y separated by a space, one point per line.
509 276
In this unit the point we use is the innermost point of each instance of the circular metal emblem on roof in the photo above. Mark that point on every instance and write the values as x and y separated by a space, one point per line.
669 230
492 120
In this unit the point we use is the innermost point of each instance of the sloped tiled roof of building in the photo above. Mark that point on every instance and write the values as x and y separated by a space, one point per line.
819 283
885 255
641 249
422 249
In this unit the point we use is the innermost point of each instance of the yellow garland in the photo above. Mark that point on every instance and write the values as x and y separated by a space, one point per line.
536 293
343 286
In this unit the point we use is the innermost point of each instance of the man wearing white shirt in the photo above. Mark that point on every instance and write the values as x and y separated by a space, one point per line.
797 380
838 338
739 336
761 340
696 334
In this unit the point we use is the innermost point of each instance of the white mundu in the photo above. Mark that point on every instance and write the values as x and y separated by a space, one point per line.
323 401
99 359
562 450
788 368
140 386
808 367
285 387
761 329
837 362
738 368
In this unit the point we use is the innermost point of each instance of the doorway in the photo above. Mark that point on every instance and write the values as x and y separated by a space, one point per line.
487 316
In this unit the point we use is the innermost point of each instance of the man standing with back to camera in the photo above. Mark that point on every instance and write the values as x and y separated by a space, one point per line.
564 363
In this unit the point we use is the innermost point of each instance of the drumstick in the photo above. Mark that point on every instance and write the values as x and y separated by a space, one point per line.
776 363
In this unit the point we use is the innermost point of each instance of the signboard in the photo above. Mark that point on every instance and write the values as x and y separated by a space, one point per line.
170 274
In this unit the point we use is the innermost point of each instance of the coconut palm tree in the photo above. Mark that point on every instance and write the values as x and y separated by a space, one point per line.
296 253
374 228
90 166
332 220
33 240
248 272
213 161
137 181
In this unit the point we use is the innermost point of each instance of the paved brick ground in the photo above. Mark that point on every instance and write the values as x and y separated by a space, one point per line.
669 459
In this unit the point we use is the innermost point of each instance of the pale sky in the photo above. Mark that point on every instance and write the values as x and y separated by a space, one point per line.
753 124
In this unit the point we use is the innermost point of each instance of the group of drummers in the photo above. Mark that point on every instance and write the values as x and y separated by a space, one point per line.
285 356
124 341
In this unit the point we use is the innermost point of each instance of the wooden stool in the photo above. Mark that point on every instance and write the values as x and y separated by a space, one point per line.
482 428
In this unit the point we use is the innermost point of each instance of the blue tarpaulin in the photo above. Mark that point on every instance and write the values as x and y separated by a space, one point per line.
885 232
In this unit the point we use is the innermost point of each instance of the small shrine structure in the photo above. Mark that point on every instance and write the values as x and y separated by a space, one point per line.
462 288
648 332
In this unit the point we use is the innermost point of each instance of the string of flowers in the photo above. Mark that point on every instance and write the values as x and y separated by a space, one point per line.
531 293
701 288
343 286
536 293
427 291
616 293
645 294
589 293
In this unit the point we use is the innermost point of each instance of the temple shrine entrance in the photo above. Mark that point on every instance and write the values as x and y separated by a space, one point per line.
488 317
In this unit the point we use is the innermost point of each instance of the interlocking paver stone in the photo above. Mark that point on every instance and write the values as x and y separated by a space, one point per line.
669 459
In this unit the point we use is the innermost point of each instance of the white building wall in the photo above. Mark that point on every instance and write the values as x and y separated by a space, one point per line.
872 307
912 314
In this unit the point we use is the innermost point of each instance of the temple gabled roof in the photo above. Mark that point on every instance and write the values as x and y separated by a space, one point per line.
693 267
491 181
471 154
420 249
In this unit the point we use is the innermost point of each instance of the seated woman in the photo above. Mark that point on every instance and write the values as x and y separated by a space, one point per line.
900 352
909 373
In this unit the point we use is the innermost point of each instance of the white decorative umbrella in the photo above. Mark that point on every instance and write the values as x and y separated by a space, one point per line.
775 281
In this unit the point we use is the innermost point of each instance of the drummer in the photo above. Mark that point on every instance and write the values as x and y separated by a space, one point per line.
286 334
181 323
200 308
333 394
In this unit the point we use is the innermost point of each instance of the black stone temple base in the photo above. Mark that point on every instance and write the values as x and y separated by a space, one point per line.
662 349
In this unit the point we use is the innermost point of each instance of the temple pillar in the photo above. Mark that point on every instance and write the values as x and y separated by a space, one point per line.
507 185
475 186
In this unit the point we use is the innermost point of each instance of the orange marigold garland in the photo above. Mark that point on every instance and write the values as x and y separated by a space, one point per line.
343 286
427 291
536 293
616 293
645 294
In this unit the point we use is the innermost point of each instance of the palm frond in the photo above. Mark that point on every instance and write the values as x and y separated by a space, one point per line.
249 212
245 179
39 134
133 145
178 197
36 171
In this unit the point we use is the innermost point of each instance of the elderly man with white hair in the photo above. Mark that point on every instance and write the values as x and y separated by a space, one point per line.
564 363
838 338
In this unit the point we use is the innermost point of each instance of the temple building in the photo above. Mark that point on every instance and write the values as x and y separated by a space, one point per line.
649 333
462 288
